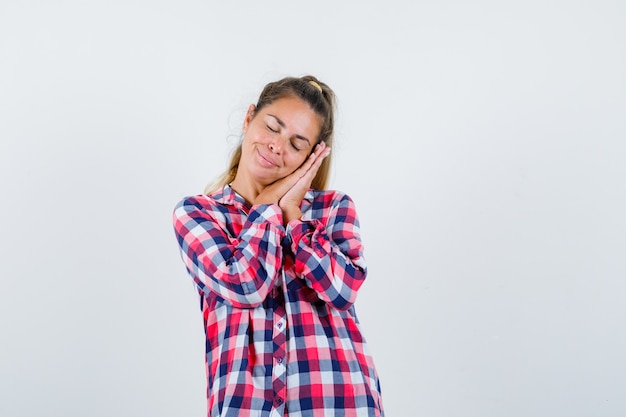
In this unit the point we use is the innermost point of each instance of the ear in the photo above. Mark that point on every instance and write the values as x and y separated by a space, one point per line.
249 116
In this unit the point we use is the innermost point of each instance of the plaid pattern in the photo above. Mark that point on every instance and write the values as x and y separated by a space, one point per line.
282 336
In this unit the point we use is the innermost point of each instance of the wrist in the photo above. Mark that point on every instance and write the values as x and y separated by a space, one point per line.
291 213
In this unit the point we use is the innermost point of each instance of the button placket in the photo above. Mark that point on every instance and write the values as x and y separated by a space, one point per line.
279 337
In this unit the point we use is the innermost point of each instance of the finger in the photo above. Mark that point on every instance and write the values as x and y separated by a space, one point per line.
316 164
306 165
319 151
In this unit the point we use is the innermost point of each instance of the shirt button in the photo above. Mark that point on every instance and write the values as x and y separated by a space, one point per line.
280 325
279 360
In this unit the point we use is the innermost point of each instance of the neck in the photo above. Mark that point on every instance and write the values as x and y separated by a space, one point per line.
247 189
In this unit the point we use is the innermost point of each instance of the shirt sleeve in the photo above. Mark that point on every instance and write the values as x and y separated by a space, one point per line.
329 254
240 269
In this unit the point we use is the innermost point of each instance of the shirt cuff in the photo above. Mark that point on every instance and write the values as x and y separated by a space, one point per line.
301 230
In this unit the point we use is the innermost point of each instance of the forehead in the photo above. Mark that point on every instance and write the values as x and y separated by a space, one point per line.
290 105
295 114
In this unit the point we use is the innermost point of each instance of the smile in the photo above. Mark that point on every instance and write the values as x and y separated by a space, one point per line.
265 161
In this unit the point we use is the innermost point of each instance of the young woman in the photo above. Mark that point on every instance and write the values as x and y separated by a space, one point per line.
278 261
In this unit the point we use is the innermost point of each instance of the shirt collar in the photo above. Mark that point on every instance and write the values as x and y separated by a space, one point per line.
228 196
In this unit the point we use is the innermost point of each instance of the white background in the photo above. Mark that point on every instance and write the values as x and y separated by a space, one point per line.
484 143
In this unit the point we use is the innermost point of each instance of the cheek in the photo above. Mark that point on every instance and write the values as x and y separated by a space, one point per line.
297 160
293 163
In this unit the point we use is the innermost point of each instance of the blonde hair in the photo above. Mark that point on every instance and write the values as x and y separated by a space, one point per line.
317 95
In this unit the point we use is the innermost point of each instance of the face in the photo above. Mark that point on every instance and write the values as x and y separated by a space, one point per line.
277 139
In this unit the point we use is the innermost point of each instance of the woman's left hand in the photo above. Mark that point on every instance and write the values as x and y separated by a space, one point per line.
290 201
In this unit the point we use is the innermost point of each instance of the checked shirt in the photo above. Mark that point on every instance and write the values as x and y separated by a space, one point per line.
282 337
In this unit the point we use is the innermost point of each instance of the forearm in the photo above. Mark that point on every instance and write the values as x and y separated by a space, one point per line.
291 213
328 250
334 271
240 269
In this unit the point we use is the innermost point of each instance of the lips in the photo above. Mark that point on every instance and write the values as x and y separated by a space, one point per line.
266 160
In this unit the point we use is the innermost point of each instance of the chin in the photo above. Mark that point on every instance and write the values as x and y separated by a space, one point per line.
264 180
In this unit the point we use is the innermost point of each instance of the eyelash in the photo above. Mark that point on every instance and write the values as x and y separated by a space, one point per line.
276 131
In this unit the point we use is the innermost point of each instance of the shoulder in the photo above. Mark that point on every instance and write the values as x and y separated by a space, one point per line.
199 203
328 198
218 198
320 204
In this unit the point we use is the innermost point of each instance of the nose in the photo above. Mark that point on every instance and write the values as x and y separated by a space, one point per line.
276 145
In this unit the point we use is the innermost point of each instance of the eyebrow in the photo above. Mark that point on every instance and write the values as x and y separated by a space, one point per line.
282 124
